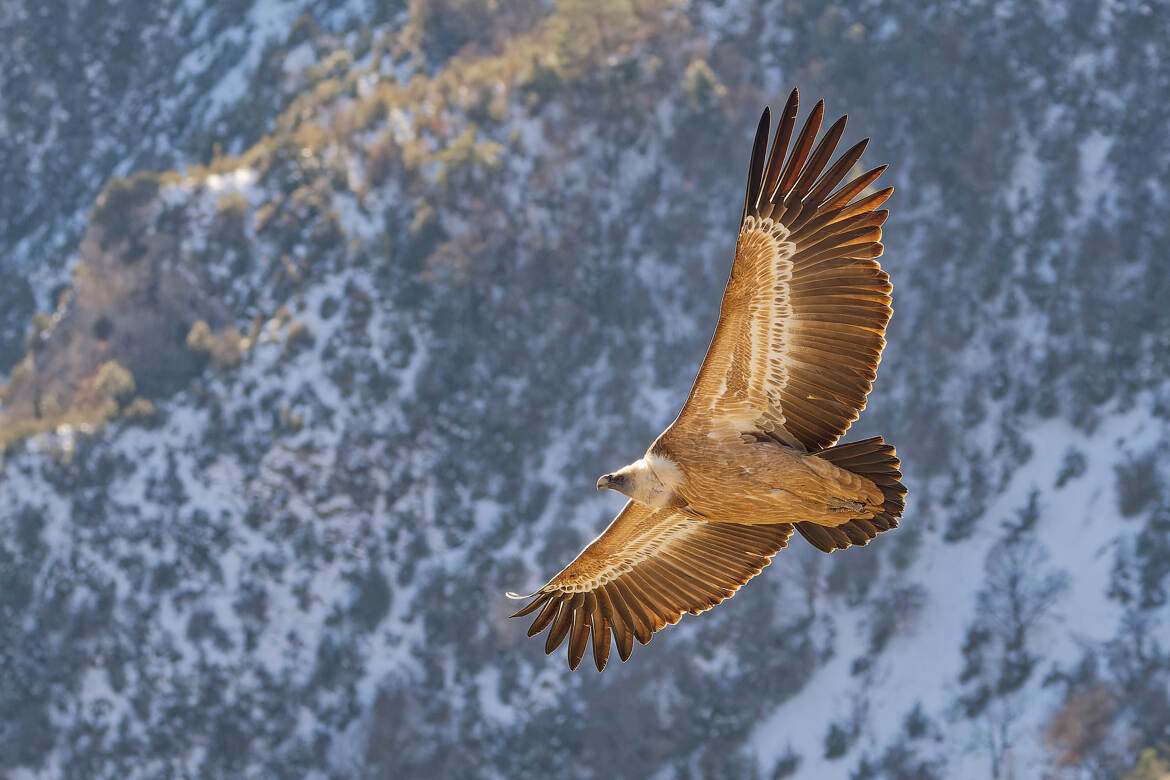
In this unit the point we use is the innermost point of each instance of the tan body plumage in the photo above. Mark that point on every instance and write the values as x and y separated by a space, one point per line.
762 482
752 456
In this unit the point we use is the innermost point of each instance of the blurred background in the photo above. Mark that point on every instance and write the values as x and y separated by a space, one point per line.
319 319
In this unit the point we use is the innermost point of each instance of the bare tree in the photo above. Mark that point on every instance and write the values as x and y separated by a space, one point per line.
1018 591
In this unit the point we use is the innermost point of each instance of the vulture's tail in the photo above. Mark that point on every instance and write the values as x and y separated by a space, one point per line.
875 460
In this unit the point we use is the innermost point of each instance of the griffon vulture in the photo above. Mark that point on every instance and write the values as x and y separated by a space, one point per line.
753 453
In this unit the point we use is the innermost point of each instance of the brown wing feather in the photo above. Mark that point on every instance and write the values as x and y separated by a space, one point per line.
802 324
645 570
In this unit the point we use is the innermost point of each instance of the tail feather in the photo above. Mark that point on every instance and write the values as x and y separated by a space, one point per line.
877 461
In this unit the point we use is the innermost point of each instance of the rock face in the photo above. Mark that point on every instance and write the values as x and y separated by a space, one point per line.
133 298
92 90
308 404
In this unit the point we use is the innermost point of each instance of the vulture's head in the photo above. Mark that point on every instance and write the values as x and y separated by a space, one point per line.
639 482
616 481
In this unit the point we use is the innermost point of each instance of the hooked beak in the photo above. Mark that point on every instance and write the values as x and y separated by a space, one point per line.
605 481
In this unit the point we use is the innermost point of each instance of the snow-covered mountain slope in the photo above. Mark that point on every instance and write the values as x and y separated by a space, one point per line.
305 411
91 90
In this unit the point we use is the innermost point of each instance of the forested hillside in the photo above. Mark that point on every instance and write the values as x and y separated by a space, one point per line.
319 321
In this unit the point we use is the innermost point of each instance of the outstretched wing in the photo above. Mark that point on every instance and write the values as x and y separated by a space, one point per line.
801 328
644 571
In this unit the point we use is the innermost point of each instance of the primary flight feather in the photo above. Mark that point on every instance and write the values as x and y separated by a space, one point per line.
753 456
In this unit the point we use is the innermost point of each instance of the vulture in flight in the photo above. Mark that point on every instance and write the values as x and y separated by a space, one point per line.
753 454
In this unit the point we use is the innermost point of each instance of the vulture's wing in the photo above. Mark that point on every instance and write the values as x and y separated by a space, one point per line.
644 571
802 324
